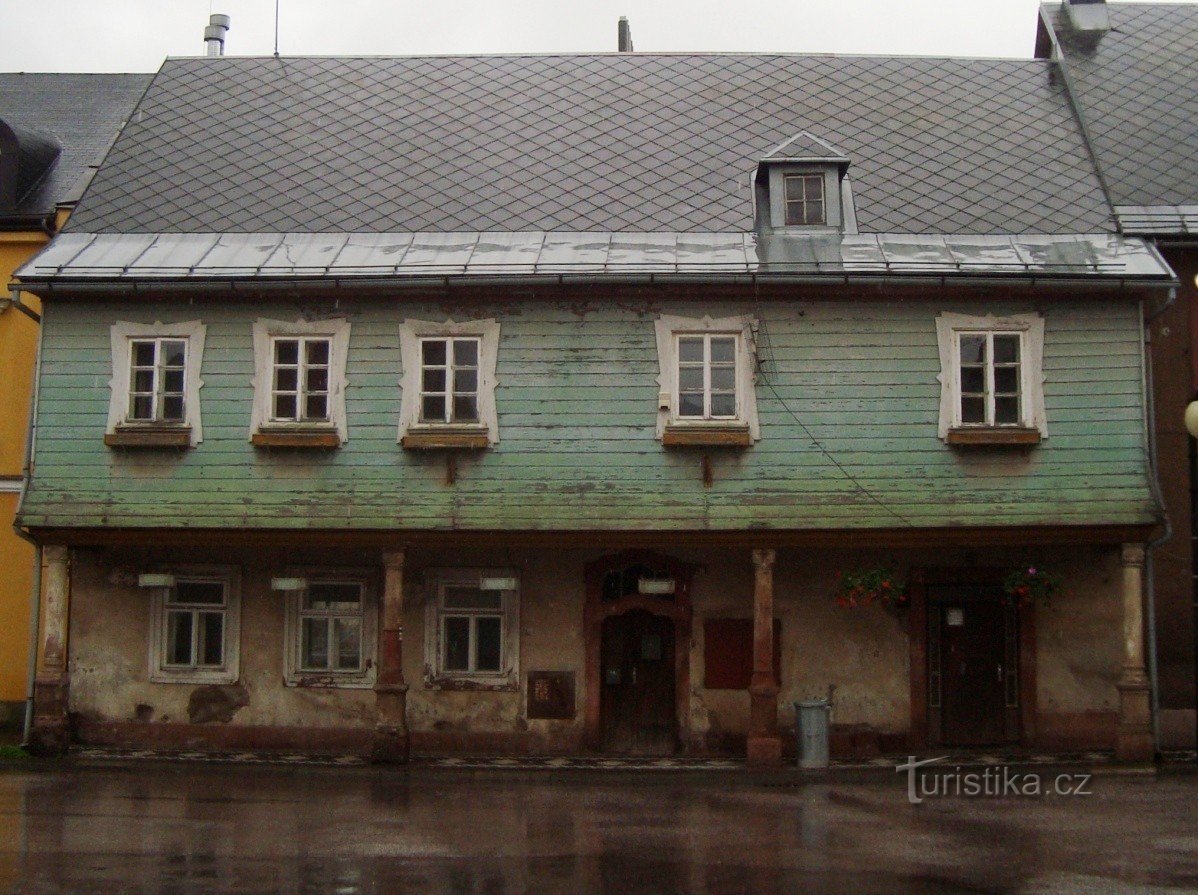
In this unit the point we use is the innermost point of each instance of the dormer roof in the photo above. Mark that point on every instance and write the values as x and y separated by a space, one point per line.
805 147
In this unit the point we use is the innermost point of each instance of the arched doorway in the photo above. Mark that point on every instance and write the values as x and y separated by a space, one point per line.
637 623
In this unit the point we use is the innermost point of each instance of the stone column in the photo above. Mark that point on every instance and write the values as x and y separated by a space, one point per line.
51 732
1133 738
764 747
390 689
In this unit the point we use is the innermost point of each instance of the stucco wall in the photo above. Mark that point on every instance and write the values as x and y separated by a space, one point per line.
861 654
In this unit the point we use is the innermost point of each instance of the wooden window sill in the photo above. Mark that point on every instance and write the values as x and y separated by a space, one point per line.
149 437
707 436
985 436
446 439
296 438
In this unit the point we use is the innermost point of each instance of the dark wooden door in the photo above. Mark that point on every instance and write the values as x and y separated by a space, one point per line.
972 649
638 698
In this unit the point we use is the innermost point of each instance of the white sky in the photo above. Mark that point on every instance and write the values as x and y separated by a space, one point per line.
136 35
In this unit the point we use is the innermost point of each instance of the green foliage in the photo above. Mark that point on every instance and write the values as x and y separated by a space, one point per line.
860 587
1027 585
12 753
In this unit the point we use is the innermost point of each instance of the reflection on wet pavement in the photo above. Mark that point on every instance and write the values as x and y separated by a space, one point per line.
177 830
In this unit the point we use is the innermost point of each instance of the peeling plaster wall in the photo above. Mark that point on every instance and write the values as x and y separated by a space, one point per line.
861 655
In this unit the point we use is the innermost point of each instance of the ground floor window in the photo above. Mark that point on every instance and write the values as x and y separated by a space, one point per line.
472 628
196 624
331 624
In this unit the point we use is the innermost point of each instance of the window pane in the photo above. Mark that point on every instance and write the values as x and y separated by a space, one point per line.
178 638
286 351
465 352
723 379
285 407
173 353
973 349
286 379
1006 379
1006 411
1006 349
434 380
690 379
314 643
433 353
794 189
690 349
316 407
172 409
815 188
206 593
317 352
142 408
348 634
465 381
212 638
723 405
973 410
339 596
813 212
172 381
690 405
318 380
465 408
973 380
723 350
490 643
143 380
456 631
472 598
432 409
143 354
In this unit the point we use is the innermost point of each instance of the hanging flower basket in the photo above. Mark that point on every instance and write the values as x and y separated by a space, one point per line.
861 587
1030 584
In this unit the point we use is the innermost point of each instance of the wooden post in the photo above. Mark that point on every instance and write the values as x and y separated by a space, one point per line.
390 690
51 732
1133 737
764 746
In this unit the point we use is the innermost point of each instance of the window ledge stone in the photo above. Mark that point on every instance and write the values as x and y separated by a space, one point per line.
152 436
446 438
707 435
288 437
497 684
993 436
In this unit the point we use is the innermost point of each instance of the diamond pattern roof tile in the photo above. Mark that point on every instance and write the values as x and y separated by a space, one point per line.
630 142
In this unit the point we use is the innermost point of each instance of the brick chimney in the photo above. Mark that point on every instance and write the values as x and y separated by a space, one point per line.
624 33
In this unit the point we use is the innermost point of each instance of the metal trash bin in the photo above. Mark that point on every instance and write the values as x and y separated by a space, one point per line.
811 728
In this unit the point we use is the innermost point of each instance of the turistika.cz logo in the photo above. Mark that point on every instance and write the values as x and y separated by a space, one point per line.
996 782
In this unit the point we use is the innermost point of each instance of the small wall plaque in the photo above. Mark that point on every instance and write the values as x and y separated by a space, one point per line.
551 695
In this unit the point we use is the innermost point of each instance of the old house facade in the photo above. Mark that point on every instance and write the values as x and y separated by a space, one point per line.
539 403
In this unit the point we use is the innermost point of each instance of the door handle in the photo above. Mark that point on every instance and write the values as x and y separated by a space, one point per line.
1000 672
634 675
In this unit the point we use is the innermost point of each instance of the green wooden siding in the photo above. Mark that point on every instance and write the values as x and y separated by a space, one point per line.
577 410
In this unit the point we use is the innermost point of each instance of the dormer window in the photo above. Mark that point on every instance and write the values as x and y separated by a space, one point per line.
805 199
803 185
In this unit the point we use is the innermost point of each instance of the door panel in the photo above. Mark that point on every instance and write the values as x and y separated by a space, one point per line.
972 651
638 698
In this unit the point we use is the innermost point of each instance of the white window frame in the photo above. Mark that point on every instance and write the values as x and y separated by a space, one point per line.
1030 328
301 392
833 214
294 675
230 669
337 331
450 367
669 328
122 335
435 674
411 334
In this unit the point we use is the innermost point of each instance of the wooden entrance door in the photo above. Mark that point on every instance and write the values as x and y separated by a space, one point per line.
638 697
971 642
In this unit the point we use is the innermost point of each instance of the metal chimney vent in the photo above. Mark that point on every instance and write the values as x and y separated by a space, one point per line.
214 34
624 33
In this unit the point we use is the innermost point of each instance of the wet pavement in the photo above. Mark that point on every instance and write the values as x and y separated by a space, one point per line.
181 829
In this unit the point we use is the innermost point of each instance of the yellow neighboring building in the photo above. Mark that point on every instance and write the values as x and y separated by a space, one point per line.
54 128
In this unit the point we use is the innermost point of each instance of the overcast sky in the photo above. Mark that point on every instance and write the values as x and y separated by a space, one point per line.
136 35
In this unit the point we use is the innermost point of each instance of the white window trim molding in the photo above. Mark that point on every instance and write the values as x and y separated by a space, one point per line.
231 672
120 334
336 329
667 328
293 675
1031 329
410 333
508 677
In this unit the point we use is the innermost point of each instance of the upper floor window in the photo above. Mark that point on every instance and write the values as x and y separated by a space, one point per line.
448 384
707 381
300 382
991 380
196 627
155 385
805 199
449 380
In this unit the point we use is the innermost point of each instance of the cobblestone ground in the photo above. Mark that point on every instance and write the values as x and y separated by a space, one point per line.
146 827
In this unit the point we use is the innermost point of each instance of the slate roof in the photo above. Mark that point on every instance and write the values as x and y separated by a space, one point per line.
1137 88
616 143
81 112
